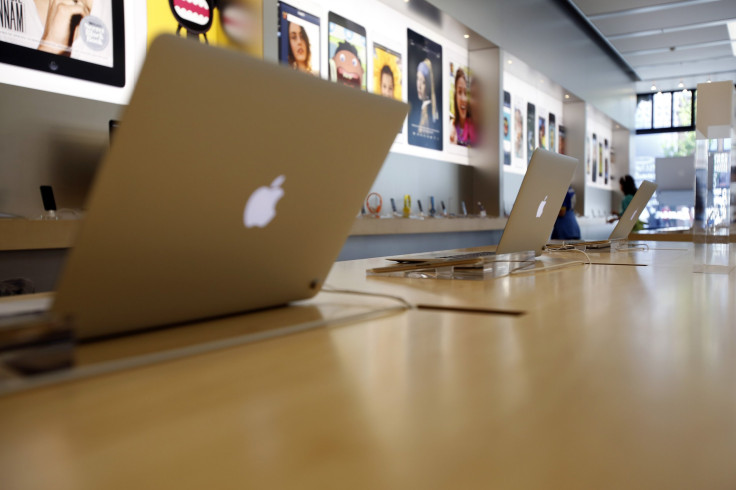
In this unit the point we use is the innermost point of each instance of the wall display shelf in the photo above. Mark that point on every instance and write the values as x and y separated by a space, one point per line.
24 234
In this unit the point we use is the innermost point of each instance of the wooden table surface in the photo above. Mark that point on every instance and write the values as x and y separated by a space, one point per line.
615 376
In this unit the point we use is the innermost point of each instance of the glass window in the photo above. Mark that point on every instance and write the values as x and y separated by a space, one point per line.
682 108
644 112
662 110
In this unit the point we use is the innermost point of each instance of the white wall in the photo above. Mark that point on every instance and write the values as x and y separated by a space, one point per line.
541 33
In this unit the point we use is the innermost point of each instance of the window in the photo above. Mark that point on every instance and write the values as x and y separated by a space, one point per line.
665 111
643 112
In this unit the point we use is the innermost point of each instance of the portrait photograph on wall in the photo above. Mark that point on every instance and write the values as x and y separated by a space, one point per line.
347 53
85 40
462 131
552 131
386 72
424 76
299 35
542 130
507 124
530 130
519 134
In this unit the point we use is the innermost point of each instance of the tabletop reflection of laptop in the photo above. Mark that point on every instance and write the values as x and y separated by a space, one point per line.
626 221
535 209
230 186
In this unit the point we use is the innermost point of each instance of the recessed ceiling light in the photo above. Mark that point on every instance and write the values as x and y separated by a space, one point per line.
680 85
653 87
567 96
466 36
510 61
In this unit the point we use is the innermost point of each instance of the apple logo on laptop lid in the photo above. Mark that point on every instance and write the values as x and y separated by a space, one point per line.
540 209
260 209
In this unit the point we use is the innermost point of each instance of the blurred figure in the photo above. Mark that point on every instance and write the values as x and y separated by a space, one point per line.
566 226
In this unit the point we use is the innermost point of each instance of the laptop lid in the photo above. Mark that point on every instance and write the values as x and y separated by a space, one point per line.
538 202
231 185
632 212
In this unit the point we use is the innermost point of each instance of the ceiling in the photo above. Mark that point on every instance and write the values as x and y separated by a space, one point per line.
667 42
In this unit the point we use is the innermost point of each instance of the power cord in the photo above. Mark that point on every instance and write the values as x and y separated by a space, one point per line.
329 289
563 265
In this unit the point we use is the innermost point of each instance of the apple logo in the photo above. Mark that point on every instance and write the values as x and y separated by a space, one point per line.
633 214
540 209
261 206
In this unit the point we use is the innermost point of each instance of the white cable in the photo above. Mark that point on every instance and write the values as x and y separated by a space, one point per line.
329 289
556 266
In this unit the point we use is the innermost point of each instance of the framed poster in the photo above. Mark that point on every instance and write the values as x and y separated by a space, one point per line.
386 72
299 35
506 128
530 138
462 126
425 91
552 132
347 52
85 40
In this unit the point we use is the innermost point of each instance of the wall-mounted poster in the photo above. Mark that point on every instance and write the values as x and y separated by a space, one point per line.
600 159
542 130
606 169
299 39
552 133
563 137
506 128
518 134
234 24
239 25
462 126
588 163
530 138
386 72
424 91
594 152
82 39
347 52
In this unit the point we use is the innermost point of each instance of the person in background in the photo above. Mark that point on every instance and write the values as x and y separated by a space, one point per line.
566 226
628 188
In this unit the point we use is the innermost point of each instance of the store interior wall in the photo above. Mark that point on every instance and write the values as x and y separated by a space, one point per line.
49 139
59 140
542 34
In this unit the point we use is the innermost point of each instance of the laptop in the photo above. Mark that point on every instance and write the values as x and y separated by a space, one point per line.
535 209
626 222
638 203
220 194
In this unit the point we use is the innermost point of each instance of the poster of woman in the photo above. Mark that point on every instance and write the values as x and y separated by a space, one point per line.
424 91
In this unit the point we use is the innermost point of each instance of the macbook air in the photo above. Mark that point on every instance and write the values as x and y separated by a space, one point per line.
631 215
231 185
535 209
626 222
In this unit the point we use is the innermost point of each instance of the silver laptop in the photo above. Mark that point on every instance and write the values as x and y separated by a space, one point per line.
231 185
626 222
535 209
631 215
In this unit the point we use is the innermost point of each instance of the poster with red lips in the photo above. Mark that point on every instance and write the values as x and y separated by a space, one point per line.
235 24
347 52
